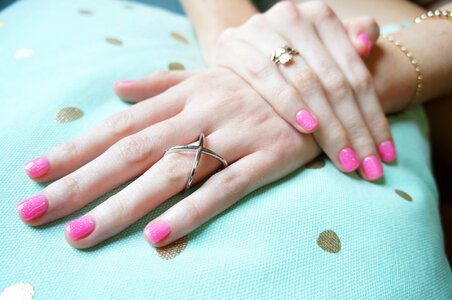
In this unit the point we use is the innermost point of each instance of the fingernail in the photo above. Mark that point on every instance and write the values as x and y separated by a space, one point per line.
306 120
127 81
80 228
348 159
37 167
387 151
366 42
157 231
372 167
32 207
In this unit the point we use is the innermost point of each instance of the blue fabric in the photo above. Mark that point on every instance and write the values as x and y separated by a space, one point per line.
317 234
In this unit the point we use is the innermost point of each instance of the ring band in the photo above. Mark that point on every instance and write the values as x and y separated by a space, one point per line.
283 55
199 149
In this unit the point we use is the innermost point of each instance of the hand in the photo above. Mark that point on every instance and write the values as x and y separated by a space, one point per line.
131 144
327 90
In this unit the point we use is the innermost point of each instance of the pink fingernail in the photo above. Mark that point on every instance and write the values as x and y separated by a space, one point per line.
372 167
367 43
306 120
157 231
387 151
80 228
127 81
33 207
37 167
348 159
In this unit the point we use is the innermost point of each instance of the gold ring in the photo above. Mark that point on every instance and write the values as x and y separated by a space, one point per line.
283 55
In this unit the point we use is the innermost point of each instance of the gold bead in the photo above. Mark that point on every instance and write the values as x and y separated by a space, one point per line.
413 61
397 43
403 48
423 16
437 13
419 86
420 77
444 13
430 14
418 20
418 69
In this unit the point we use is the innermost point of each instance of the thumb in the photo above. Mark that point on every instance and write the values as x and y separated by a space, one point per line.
363 32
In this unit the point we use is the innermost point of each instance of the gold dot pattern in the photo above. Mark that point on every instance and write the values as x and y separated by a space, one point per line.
403 195
114 41
179 37
18 291
85 12
24 53
176 66
68 114
316 163
174 249
329 241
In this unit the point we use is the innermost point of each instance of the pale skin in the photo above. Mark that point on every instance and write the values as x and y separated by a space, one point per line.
124 146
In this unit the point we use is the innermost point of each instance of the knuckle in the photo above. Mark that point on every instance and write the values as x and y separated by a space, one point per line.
306 80
233 182
68 150
133 149
362 81
285 9
335 134
286 97
70 186
321 10
118 205
336 84
286 144
175 166
380 124
193 211
120 124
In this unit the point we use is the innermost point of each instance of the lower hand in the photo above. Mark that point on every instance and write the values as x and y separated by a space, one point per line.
131 144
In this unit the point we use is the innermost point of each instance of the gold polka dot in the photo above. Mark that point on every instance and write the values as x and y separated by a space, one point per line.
316 163
114 41
174 249
329 241
19 291
85 12
68 114
179 37
176 66
23 53
403 195
2 24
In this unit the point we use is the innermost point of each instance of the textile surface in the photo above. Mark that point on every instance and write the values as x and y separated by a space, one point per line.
316 234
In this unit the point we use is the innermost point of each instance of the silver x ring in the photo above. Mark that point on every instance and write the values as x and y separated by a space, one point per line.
199 149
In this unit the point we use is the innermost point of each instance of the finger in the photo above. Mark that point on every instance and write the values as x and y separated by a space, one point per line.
332 135
261 73
363 32
361 82
72 154
123 161
162 181
150 86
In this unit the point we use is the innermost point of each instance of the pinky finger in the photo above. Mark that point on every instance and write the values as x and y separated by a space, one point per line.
234 182
150 86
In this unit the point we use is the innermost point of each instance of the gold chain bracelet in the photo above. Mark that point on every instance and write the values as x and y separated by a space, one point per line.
442 14
417 68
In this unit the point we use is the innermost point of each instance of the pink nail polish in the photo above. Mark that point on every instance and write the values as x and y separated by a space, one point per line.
348 159
367 43
37 167
80 228
306 120
372 167
127 81
387 151
33 207
157 231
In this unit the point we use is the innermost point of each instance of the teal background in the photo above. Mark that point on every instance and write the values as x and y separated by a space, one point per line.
262 247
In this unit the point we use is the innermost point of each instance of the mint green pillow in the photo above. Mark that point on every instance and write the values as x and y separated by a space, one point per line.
317 234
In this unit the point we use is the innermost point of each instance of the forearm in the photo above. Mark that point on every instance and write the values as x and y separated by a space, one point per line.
211 17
